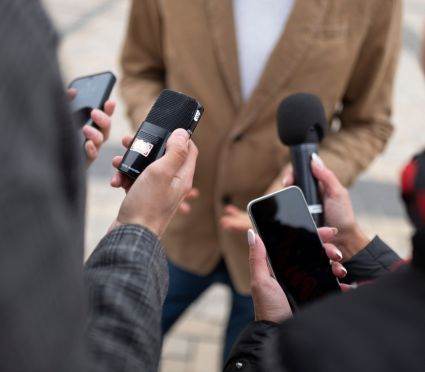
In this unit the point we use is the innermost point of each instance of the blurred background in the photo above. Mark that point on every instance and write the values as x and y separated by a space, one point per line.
91 36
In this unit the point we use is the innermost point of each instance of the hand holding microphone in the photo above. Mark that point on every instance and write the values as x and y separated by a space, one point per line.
339 211
302 124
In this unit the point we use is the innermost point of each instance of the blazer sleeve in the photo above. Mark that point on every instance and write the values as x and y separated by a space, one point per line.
367 102
375 260
142 60
127 278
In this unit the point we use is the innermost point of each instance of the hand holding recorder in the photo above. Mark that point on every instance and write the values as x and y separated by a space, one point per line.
154 197
171 110
158 167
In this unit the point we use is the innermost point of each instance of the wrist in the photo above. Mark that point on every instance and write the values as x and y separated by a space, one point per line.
275 316
155 228
115 224
351 241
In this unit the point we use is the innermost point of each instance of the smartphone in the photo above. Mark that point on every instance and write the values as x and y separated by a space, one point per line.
92 92
295 251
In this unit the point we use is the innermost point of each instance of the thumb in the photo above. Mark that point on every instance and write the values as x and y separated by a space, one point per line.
257 258
324 175
176 151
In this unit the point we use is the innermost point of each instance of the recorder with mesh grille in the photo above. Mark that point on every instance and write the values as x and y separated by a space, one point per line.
170 111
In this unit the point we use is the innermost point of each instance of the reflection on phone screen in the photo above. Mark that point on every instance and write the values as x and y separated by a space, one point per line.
295 251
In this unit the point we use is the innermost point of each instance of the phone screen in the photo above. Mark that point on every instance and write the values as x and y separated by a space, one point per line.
294 249
92 92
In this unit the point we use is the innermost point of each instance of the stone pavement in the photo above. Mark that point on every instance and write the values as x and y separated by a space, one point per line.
92 32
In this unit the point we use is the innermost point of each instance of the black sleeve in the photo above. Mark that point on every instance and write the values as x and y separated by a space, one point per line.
374 260
248 350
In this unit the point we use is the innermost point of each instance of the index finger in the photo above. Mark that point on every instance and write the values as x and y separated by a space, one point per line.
109 107
258 266
327 233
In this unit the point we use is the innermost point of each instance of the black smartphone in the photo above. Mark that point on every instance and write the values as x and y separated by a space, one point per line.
295 251
92 92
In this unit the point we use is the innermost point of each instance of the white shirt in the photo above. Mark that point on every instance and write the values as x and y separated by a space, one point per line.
259 25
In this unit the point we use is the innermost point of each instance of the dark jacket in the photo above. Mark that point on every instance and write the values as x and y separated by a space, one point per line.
377 327
47 321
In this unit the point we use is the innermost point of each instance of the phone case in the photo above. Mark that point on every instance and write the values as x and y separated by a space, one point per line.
92 92
295 254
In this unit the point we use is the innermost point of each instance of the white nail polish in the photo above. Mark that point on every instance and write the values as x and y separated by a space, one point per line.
339 254
317 160
251 237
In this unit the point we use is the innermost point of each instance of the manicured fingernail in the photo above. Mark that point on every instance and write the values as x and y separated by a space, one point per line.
251 238
339 254
344 270
317 160
334 230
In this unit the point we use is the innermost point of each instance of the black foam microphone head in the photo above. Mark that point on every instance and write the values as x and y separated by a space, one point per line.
173 110
301 119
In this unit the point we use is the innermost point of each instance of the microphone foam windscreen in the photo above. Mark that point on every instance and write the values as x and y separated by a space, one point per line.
172 110
301 119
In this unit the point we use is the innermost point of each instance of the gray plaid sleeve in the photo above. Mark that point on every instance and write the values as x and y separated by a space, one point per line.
127 277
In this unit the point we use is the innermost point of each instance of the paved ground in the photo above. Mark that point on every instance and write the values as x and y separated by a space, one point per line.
92 32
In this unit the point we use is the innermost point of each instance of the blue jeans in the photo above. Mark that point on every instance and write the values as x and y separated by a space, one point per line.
186 287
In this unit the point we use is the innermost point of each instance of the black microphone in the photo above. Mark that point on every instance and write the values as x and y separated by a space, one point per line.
301 123
170 111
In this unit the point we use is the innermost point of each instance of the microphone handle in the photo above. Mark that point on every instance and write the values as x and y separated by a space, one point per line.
304 179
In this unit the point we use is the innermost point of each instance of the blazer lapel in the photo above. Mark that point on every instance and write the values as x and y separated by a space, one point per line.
303 24
222 26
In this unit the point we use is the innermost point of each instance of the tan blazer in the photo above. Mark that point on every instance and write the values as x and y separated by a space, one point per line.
343 50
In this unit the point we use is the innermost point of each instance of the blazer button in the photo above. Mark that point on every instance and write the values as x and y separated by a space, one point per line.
226 199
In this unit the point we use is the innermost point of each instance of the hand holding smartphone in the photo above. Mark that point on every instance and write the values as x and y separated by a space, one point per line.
92 93
295 252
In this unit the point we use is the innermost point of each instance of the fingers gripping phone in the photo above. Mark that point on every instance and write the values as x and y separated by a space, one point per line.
295 251
92 92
